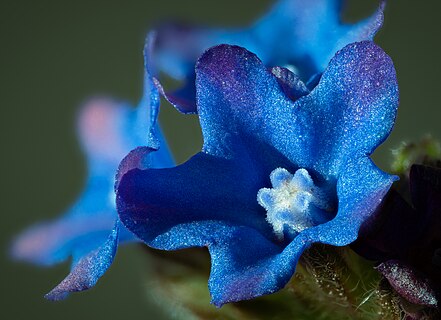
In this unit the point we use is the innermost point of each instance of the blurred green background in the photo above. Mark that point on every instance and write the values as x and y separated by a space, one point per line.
54 54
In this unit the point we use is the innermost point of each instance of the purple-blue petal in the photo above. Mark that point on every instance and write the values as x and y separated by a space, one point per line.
53 242
87 268
245 265
246 262
354 105
151 202
291 84
108 130
302 34
361 186
183 99
351 110
193 205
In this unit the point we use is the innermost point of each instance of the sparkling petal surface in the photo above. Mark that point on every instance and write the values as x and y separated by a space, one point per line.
301 34
353 107
246 262
361 186
408 283
250 127
151 202
87 268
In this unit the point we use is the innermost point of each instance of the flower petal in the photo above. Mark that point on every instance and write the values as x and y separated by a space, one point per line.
53 242
99 126
351 111
208 201
151 202
245 265
108 130
88 268
354 105
172 209
291 84
145 122
361 187
241 102
200 204
183 99
303 34
315 33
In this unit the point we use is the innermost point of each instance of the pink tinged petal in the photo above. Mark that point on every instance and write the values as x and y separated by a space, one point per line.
100 129
50 243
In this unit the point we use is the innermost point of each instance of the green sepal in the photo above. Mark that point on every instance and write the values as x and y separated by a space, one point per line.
329 283
425 151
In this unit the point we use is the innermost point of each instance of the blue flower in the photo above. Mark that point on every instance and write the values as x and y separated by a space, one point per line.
275 173
302 35
90 230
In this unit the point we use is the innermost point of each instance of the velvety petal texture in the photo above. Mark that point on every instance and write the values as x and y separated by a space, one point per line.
300 35
88 267
87 232
409 283
252 126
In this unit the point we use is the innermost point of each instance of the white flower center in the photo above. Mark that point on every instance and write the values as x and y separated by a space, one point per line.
293 202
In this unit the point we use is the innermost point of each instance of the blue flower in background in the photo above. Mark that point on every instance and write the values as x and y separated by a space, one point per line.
89 231
302 35
282 166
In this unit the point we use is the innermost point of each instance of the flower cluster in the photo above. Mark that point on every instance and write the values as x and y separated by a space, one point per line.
290 109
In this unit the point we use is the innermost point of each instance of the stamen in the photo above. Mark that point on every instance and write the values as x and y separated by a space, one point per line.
293 202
